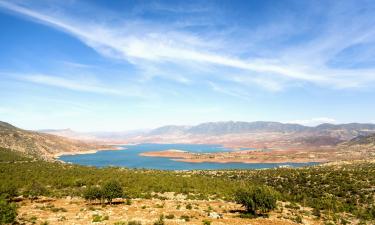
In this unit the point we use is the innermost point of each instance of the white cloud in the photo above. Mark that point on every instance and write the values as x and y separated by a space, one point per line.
144 43
68 84
82 85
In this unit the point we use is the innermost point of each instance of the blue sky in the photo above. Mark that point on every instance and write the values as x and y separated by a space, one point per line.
123 65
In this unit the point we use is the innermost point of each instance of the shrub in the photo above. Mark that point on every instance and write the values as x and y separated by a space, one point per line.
133 222
206 222
120 223
160 221
35 190
111 190
92 193
98 218
8 211
189 206
8 191
170 216
316 212
185 217
254 199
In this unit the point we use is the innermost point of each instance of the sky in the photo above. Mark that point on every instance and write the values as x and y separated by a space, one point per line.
125 65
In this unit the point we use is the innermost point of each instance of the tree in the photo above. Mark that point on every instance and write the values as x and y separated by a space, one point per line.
8 191
93 193
8 211
262 199
35 190
111 190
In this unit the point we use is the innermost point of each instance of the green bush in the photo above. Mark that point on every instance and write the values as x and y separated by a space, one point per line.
93 193
36 189
206 222
111 190
99 218
8 211
256 199
8 191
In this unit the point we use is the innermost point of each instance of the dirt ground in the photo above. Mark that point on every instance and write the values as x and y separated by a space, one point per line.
176 210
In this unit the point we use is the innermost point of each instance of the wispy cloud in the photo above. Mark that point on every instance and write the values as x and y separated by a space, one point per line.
146 43
68 84
82 85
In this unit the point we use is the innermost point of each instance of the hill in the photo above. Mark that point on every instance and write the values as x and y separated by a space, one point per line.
363 140
328 194
336 132
39 144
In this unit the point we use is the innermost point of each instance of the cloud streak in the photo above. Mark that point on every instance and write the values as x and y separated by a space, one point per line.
142 43
69 84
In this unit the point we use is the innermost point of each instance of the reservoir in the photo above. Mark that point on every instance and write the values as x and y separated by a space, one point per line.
129 157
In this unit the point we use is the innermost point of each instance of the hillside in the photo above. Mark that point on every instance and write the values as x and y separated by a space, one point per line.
39 144
363 140
327 194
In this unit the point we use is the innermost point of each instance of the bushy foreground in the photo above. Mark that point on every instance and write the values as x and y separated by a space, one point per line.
333 191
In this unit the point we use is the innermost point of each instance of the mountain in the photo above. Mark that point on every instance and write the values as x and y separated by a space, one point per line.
172 129
324 133
346 131
39 144
363 140
231 127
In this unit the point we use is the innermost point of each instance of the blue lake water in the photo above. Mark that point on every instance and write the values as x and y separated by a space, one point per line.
130 158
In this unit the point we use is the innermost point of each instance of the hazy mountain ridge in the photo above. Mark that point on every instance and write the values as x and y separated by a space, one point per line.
39 144
363 140
330 133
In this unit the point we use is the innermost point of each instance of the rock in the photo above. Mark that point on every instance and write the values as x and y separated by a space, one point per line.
215 215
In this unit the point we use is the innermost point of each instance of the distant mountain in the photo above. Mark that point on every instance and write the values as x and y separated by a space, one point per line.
331 133
363 140
172 129
231 127
219 128
39 144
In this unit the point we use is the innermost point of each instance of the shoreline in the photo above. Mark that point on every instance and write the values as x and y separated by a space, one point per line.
230 157
110 148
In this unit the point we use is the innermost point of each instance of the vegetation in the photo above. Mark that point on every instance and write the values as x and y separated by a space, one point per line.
337 191
111 190
7 156
160 221
8 211
257 199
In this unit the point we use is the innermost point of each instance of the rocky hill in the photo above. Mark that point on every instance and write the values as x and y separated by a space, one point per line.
343 131
39 144
321 134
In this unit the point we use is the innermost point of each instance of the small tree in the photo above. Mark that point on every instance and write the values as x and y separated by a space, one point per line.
111 190
256 199
93 193
35 190
8 211
8 191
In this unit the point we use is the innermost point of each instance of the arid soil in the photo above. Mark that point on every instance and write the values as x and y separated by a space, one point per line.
295 155
147 211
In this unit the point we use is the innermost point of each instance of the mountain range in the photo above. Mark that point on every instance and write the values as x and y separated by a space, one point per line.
341 131
47 143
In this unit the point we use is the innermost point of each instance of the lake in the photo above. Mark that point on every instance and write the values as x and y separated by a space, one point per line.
130 158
